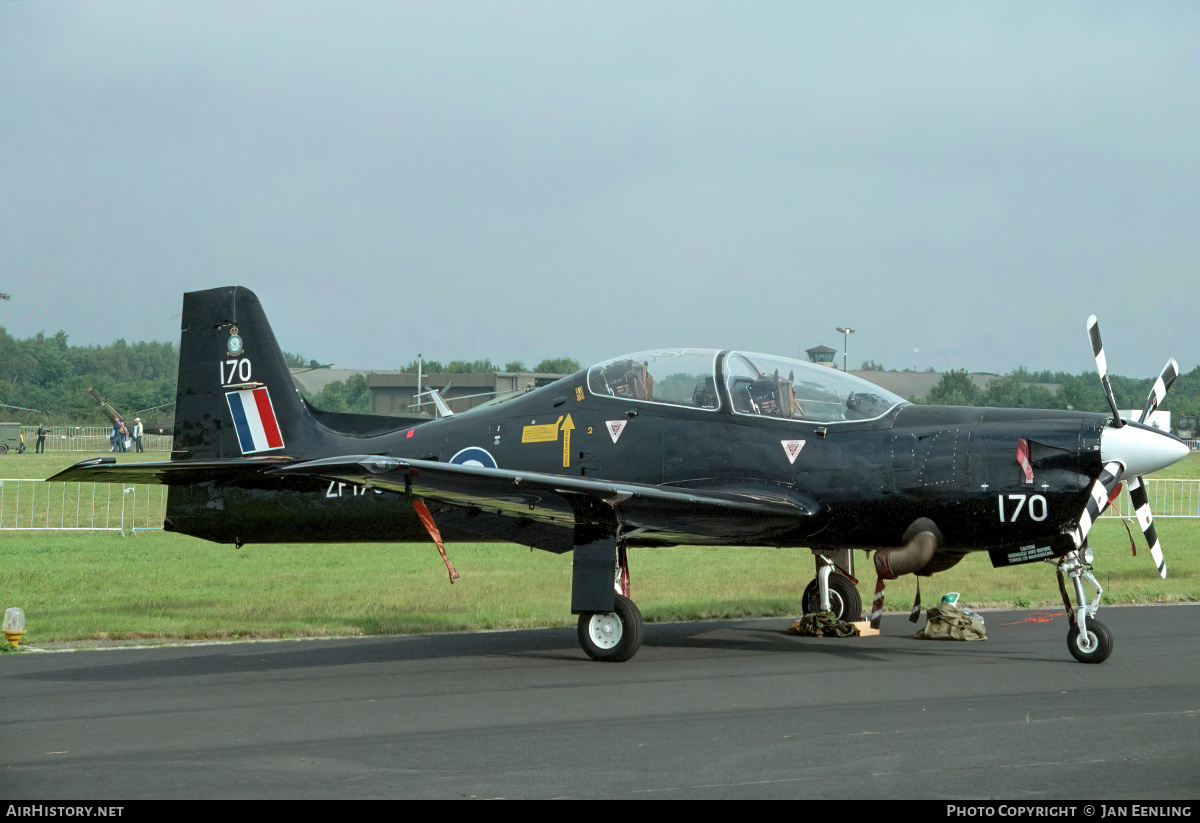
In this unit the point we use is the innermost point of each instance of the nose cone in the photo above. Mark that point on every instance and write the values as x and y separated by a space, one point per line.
1141 449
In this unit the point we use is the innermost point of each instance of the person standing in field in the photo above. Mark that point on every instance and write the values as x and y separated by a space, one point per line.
41 441
137 433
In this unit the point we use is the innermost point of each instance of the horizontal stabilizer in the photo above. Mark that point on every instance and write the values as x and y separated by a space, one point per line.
173 473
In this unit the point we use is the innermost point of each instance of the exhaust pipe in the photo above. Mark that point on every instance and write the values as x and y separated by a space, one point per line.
921 540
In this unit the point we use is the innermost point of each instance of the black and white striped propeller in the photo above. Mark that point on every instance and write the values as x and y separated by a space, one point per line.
1137 489
1102 490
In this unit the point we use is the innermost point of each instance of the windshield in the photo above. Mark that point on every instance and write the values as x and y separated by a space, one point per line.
770 386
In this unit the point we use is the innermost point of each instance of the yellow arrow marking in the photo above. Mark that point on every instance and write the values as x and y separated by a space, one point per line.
567 427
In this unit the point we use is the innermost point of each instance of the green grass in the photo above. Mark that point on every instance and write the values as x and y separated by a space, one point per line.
159 586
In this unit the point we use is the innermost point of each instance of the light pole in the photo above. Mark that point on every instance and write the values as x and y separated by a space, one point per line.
846 332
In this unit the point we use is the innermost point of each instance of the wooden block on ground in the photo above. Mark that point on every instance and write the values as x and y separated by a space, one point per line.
864 628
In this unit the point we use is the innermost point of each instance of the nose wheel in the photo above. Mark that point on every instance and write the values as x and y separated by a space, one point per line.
844 599
1091 646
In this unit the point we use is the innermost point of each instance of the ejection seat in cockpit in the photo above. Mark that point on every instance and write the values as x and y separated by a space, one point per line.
773 396
629 378
705 394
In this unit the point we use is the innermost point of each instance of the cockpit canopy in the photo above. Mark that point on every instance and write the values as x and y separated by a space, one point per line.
757 384
679 377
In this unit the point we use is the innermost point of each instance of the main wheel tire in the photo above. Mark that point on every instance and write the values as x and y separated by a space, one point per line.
612 636
1100 643
844 598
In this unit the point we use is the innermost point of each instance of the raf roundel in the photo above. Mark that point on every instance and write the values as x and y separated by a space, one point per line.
474 456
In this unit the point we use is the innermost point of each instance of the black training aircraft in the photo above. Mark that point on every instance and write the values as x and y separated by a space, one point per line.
667 447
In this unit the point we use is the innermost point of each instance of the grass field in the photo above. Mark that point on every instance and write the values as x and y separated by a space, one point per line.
159 586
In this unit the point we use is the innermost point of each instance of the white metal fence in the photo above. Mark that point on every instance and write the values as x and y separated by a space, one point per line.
87 439
37 505
1168 498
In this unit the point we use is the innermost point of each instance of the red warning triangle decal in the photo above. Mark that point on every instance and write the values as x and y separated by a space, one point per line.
615 427
792 448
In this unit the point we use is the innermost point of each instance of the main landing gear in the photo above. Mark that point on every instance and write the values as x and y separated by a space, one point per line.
609 636
1088 640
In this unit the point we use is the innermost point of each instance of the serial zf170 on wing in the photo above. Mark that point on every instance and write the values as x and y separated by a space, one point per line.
669 447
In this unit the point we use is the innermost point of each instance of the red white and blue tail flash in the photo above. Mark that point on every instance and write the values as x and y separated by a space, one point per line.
254 420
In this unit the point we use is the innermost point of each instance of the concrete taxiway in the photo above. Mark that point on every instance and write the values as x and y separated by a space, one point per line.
733 709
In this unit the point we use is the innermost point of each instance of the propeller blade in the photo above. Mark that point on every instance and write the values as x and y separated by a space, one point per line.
1161 386
1141 503
1137 488
1098 498
1102 367
1141 453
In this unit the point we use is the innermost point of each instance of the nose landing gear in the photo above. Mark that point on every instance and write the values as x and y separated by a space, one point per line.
1088 640
832 591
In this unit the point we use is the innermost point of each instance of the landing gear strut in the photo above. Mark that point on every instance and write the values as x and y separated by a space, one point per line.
1088 640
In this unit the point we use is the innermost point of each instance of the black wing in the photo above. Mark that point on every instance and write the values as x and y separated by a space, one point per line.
633 511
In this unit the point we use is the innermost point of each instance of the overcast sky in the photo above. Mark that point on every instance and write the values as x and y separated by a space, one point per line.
962 183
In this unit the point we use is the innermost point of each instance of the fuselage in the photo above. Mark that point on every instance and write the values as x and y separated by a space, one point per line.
961 467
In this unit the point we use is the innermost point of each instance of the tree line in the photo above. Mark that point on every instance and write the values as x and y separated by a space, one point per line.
49 380
45 379
1023 389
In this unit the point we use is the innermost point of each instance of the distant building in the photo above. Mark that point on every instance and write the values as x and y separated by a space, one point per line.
904 383
395 393
823 355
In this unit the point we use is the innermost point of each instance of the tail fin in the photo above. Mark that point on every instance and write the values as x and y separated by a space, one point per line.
236 395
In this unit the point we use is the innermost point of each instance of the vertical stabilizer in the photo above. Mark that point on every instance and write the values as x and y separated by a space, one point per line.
235 395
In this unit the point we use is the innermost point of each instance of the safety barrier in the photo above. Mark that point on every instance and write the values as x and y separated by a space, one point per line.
37 505
87 439
1168 498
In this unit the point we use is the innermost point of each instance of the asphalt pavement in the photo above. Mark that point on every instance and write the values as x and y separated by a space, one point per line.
725 709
